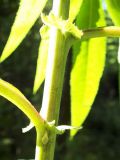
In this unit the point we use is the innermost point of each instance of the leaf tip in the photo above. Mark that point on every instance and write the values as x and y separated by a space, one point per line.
74 131
35 90
35 87
37 84
5 54
2 58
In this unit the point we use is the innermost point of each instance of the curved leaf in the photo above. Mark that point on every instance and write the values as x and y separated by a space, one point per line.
42 59
12 94
74 9
88 64
28 12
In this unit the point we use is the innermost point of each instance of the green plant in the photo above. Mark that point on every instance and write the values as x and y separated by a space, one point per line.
58 35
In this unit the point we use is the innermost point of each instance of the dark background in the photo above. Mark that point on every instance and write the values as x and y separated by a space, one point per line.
100 137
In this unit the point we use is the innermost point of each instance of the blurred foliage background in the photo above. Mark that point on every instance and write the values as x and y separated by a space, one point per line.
100 137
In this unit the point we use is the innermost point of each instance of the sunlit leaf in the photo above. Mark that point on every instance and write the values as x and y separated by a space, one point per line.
28 12
12 94
74 8
88 64
42 59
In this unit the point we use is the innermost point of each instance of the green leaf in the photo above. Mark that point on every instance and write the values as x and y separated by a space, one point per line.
12 94
74 9
42 59
114 10
28 12
88 64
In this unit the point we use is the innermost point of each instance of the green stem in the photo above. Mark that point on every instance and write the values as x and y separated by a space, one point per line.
54 82
112 31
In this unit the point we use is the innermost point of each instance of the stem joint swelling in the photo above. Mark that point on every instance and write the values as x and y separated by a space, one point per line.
44 134
68 28
65 26
45 138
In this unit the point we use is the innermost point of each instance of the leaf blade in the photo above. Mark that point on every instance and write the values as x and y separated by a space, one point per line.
12 94
88 64
42 59
74 9
27 14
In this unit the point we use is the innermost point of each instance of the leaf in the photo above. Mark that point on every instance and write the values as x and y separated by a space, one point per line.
42 59
28 12
114 10
88 64
74 9
12 94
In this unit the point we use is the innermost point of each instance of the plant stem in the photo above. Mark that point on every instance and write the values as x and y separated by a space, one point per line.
54 80
111 31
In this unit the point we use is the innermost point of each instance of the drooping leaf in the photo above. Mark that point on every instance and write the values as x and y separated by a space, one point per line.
28 12
12 94
88 63
74 8
42 59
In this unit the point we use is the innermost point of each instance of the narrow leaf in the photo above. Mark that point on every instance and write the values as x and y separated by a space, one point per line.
88 64
42 59
74 9
28 12
12 94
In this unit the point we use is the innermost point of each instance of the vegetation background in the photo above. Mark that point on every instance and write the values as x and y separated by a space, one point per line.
100 137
